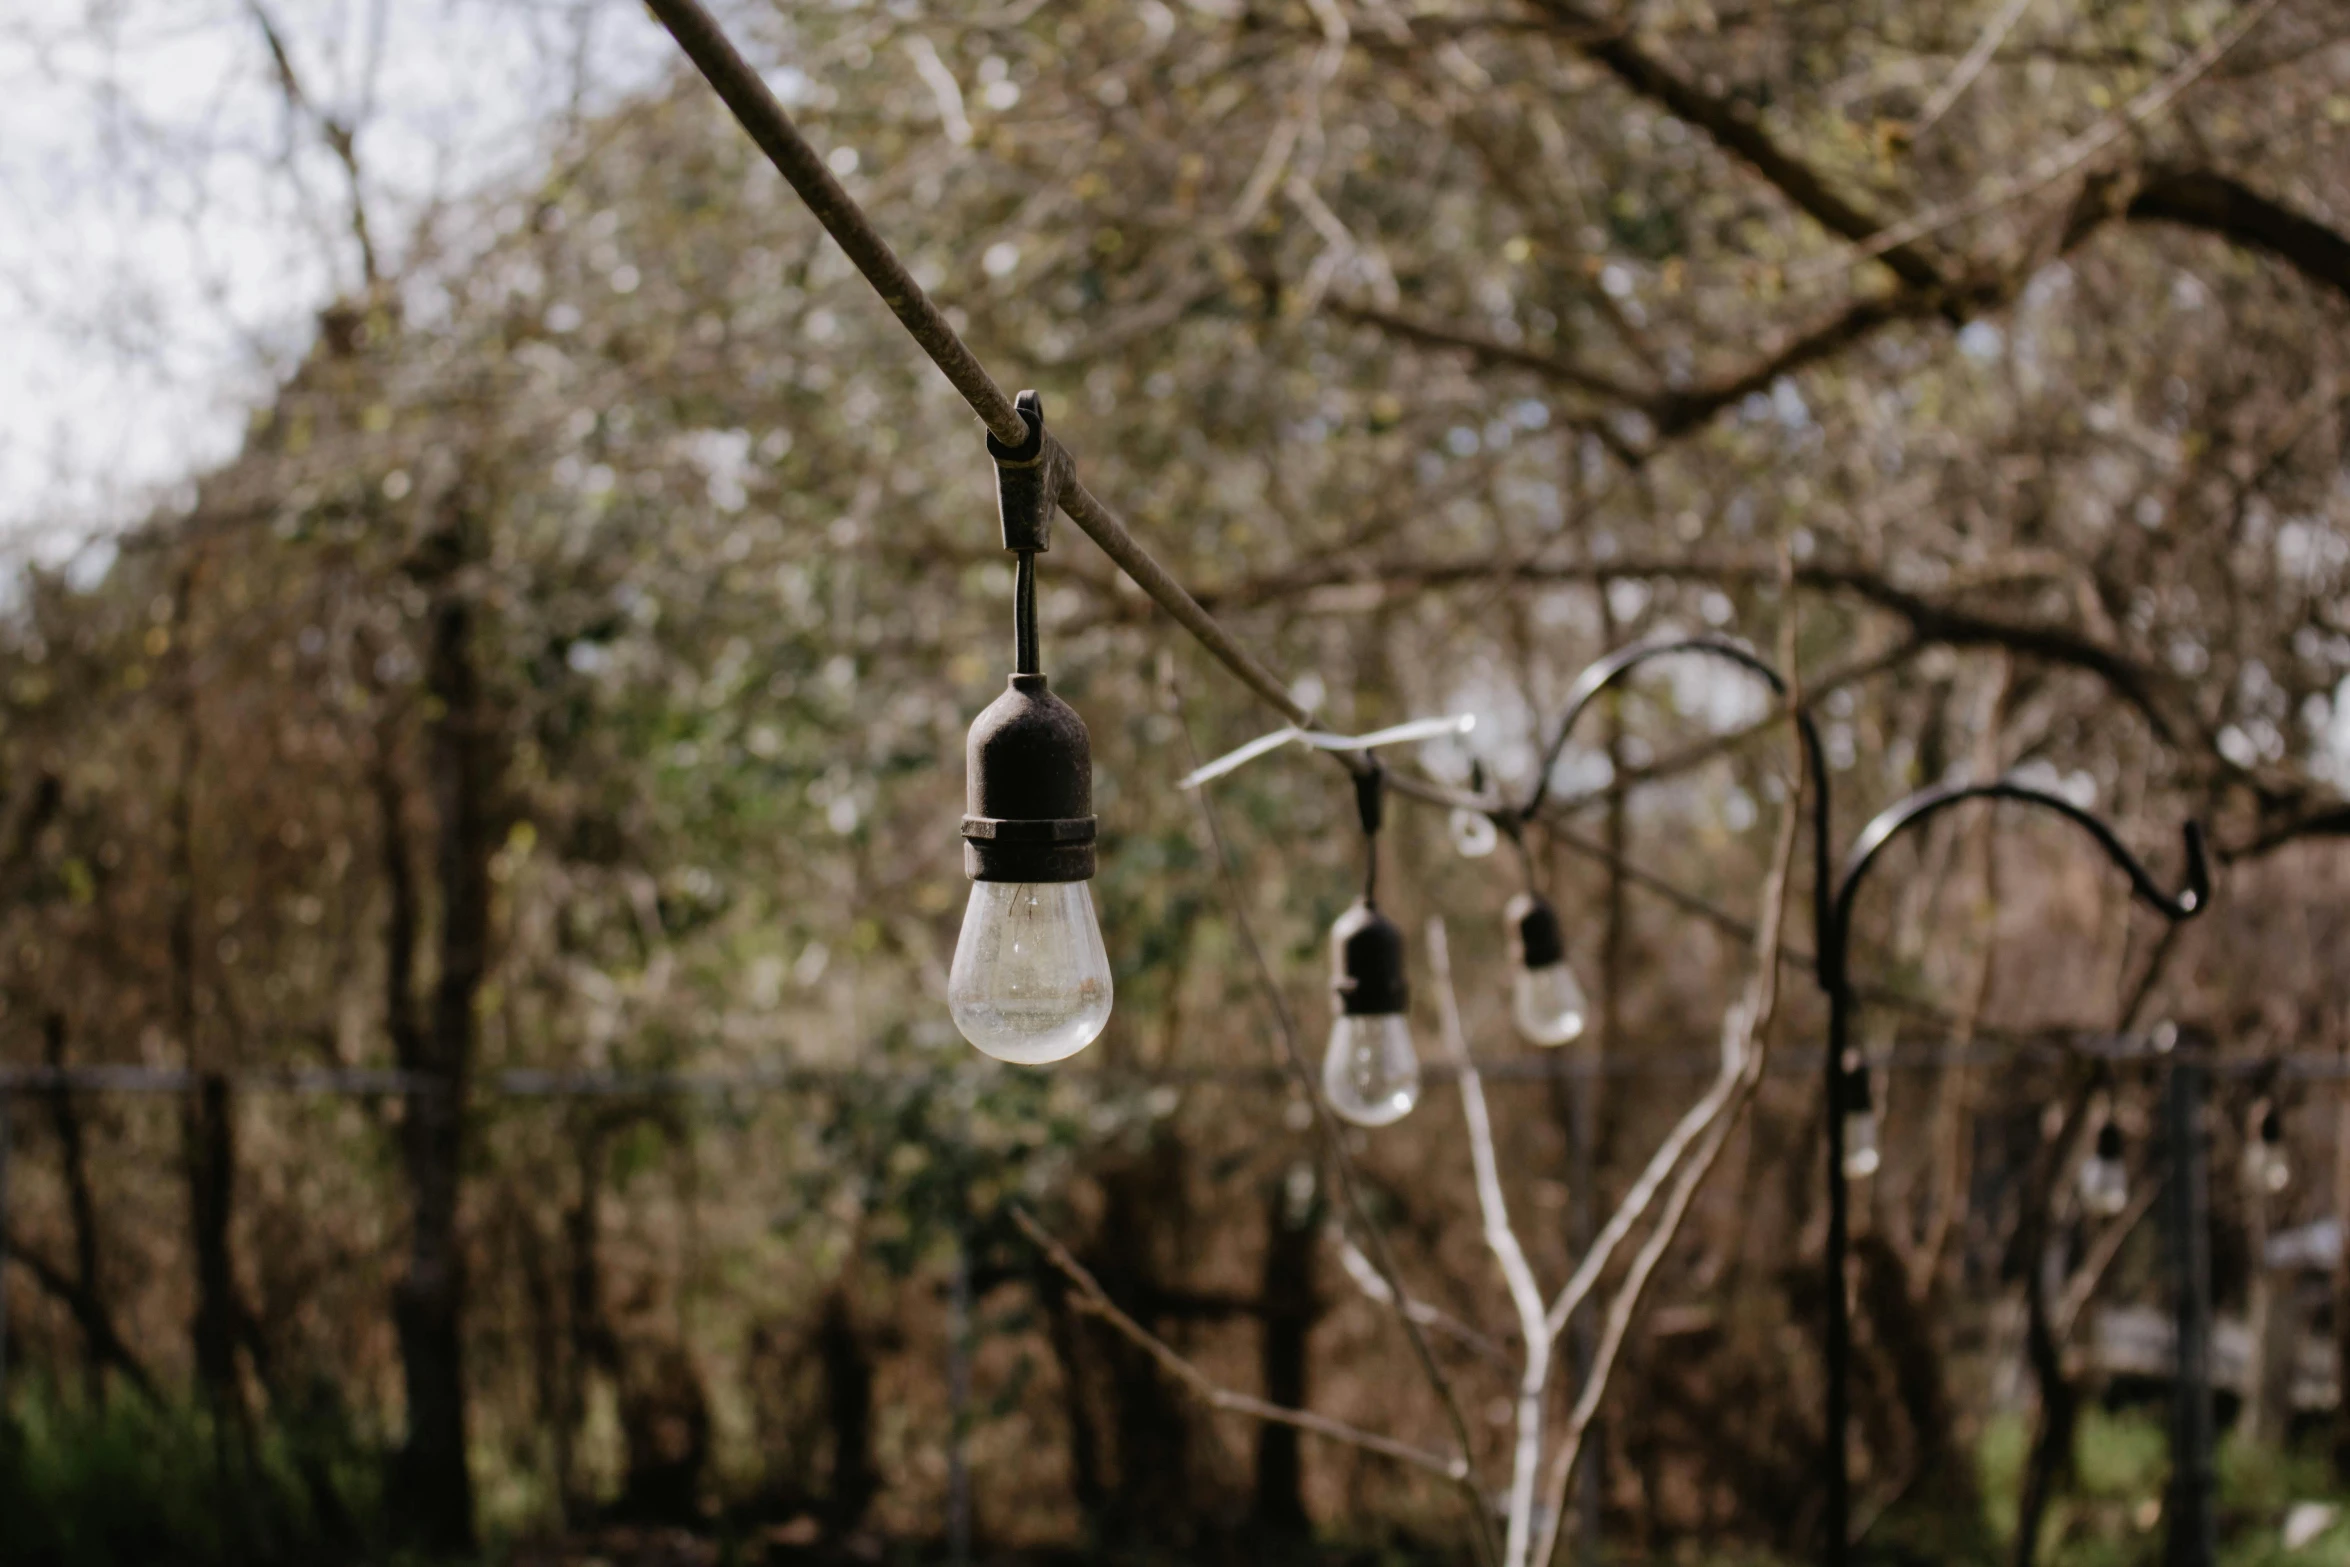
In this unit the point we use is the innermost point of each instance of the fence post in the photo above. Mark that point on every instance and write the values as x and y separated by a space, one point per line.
2187 1211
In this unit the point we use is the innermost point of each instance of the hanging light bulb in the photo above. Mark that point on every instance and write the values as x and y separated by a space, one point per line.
1547 1004
1371 1074
2265 1166
2105 1180
1031 978
1861 1154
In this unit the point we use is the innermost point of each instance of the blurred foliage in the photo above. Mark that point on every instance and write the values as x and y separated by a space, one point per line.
613 582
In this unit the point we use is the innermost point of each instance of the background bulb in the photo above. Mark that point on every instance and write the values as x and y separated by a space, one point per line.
1548 1005
1860 1145
2105 1186
1031 981
1371 1075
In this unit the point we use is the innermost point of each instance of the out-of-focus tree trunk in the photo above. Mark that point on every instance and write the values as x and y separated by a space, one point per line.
1903 1323
2342 1278
1152 1430
2060 1408
432 1483
2268 1412
593 1345
81 1206
1085 1448
847 1362
1287 1291
207 1130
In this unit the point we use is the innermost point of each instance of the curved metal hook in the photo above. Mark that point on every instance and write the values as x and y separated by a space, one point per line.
1607 671
1900 816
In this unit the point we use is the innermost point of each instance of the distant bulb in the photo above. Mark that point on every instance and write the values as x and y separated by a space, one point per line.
2265 1167
2105 1180
1031 980
1548 1005
1546 1002
1371 1075
2105 1187
1861 1157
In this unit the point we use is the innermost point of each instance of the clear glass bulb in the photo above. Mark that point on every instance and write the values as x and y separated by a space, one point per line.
1548 1005
2265 1169
2105 1186
1372 1074
1031 981
1860 1145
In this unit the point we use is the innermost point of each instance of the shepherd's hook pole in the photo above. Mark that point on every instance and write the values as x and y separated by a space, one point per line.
1845 1073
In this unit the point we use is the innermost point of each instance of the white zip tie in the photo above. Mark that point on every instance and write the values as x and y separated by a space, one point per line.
1394 734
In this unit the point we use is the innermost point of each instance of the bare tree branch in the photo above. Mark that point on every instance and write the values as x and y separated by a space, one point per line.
1737 129
2216 203
1092 1300
1962 76
1746 1036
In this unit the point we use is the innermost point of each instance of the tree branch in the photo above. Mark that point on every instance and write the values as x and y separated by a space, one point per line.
89 1313
2216 203
1737 129
1092 1300
1746 1035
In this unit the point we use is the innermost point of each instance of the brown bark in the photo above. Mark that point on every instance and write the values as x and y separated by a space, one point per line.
432 1483
1290 1309
847 1362
207 1129
81 1206
2060 1409
2341 1279
1086 1482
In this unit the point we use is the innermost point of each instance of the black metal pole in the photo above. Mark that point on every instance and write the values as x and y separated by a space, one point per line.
1839 1332
1606 672
2194 1540
1836 979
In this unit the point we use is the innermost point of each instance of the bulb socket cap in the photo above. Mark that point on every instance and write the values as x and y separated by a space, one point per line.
1535 926
1028 791
1366 963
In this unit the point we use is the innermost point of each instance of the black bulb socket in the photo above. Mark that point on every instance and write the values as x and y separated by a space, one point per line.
1366 963
2272 1126
2109 1143
1028 792
1541 942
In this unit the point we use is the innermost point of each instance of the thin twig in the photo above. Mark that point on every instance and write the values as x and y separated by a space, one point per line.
1333 1142
1963 75
1366 1278
2053 165
1094 1301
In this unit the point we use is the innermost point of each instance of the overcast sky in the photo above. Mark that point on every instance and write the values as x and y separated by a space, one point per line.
168 231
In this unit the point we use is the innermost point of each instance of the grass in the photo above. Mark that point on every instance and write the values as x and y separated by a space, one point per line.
127 1485
124 1484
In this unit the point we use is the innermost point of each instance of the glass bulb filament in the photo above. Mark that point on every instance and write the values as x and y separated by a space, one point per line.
1031 981
1548 1005
2105 1186
1371 1075
1861 1156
